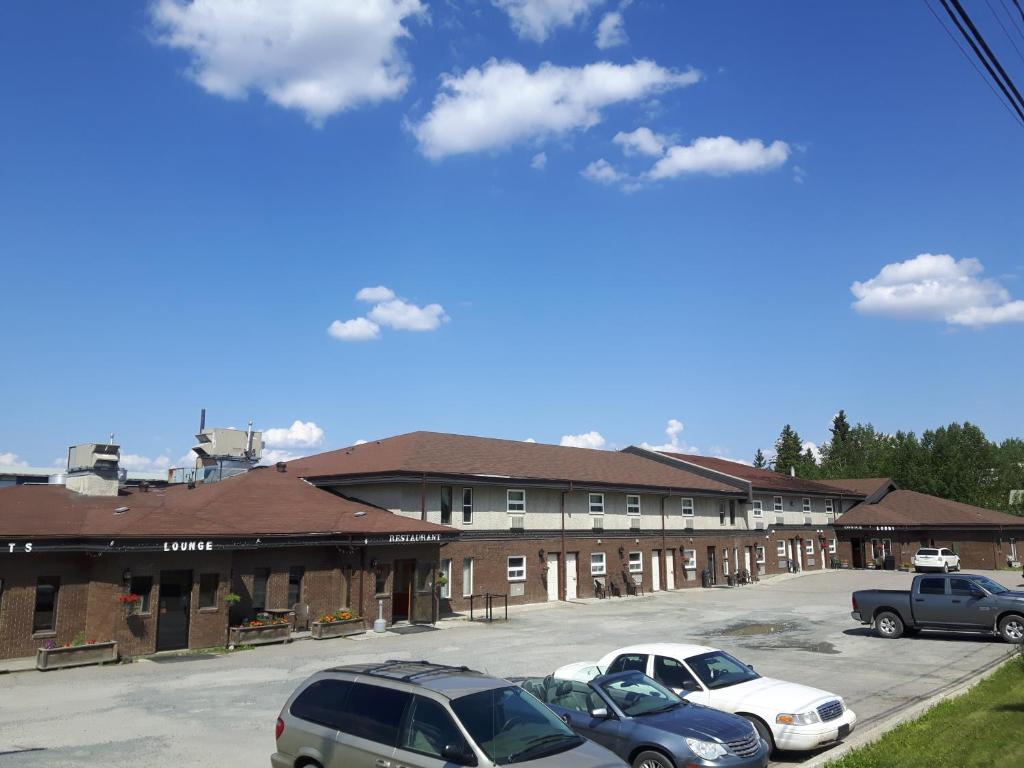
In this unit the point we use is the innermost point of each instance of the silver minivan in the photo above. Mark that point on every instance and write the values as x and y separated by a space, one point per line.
414 714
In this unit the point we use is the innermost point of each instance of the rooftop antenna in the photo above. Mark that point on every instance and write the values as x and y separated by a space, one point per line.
111 439
202 420
248 441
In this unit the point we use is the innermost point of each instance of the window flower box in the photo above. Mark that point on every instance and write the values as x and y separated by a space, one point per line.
324 630
60 657
260 633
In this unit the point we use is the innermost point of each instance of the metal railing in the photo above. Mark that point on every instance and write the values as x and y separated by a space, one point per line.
488 598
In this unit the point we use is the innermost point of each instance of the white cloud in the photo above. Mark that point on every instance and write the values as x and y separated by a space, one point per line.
673 430
937 287
611 31
11 460
602 172
275 455
642 140
504 103
537 19
375 294
813 448
539 161
317 56
405 316
720 156
357 329
133 462
188 460
304 434
590 439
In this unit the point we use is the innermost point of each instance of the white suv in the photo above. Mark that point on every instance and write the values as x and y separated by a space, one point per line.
935 559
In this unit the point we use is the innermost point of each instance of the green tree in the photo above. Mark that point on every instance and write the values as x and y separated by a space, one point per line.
835 458
760 462
962 464
788 450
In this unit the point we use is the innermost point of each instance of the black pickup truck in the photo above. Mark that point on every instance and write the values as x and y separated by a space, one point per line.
961 602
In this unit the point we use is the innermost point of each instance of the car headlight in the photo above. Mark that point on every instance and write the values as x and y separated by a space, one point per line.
803 718
709 750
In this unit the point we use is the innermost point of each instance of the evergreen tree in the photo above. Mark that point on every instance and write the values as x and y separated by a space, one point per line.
788 451
760 462
835 454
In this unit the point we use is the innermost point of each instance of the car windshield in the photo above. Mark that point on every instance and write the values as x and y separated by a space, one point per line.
992 586
927 551
636 694
511 726
718 669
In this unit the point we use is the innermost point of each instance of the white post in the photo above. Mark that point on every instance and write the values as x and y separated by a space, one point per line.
379 624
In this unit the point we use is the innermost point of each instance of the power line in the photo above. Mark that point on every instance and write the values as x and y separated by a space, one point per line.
984 61
1013 19
988 51
972 62
1005 30
1019 9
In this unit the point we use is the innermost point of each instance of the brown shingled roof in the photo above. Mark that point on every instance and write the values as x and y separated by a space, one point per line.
262 502
445 454
760 479
910 508
865 486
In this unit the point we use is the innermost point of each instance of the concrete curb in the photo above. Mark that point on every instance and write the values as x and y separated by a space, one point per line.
882 724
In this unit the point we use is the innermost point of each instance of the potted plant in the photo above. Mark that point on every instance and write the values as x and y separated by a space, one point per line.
78 653
131 602
260 632
341 623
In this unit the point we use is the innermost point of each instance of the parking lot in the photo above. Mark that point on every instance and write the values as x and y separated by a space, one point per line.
219 710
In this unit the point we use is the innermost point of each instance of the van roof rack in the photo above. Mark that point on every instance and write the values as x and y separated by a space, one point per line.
399 669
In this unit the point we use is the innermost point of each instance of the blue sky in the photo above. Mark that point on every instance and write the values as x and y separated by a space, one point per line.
191 195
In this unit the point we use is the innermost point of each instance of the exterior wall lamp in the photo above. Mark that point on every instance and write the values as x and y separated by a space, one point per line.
541 553
126 577
622 552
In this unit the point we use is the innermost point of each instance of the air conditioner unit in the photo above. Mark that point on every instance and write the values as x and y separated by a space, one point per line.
634 524
598 523
516 522
688 524
759 525
807 519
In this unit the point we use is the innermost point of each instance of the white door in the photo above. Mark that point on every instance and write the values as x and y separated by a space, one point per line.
570 576
746 559
552 577
656 570
670 569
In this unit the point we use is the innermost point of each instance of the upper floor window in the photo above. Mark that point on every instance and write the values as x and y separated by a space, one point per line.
687 507
467 506
597 503
721 513
632 504
829 508
757 507
446 505
807 504
516 500
777 503
44 619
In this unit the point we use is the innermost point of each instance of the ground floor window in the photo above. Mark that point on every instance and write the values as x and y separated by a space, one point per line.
833 547
597 564
690 559
517 568
446 579
380 580
467 576
636 562
295 576
759 554
208 583
809 546
260 579
143 587
780 548
44 619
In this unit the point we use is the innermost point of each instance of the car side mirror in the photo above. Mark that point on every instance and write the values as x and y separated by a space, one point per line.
750 667
690 685
459 754
600 713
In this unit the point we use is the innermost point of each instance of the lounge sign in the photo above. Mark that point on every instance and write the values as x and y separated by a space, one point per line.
188 546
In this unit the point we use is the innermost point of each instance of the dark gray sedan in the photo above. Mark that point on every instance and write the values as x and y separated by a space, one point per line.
647 725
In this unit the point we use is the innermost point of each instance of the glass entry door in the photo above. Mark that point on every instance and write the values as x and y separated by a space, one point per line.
423 609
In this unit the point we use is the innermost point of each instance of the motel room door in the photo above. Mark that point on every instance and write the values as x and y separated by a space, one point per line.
571 576
173 610
656 570
552 577
670 569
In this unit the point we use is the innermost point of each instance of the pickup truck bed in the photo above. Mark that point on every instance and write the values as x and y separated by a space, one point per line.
961 602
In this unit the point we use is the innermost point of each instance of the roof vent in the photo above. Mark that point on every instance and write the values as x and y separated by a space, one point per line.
360 513
191 483
281 466
121 510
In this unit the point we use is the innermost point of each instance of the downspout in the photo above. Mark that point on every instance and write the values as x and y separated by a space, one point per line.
663 564
423 496
362 578
562 593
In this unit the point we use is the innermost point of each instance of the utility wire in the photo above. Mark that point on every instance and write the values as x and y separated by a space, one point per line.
984 62
1019 9
988 51
1013 19
1005 30
972 62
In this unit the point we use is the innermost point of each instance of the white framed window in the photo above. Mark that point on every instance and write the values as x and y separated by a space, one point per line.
725 561
597 564
467 506
632 504
780 548
467 576
833 547
777 503
597 503
759 554
446 574
687 507
516 500
690 559
757 507
829 507
721 513
517 568
809 546
636 562
807 504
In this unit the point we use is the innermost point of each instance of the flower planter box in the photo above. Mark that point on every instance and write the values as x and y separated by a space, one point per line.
76 656
263 635
328 629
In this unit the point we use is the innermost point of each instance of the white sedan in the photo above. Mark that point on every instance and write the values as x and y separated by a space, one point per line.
788 716
936 559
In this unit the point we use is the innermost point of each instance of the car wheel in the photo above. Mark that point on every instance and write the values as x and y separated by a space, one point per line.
945 567
762 730
1011 628
888 625
651 759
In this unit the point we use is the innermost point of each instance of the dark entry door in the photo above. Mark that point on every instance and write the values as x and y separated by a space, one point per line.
423 600
173 610
857 551
712 567
402 591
